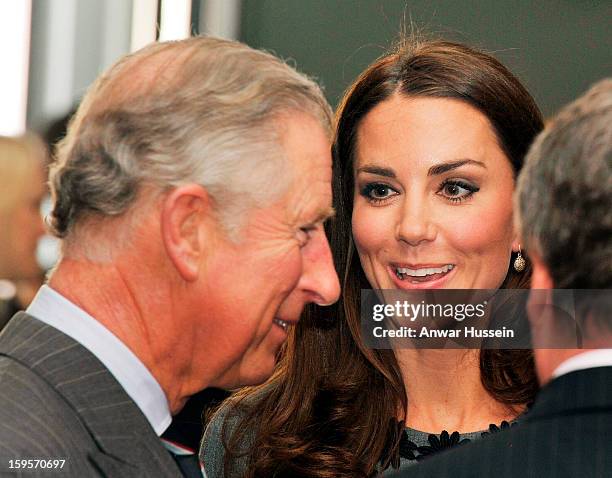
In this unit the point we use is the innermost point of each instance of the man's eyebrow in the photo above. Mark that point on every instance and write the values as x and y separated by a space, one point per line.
324 214
378 170
449 166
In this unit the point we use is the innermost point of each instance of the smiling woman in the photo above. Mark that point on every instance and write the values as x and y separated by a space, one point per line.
418 199
428 142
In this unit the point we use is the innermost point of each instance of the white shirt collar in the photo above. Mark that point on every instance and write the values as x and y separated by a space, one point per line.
584 360
55 310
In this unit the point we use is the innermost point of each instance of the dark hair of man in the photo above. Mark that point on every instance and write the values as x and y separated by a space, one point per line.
331 408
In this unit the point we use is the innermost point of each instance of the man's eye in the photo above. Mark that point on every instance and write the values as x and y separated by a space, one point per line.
304 234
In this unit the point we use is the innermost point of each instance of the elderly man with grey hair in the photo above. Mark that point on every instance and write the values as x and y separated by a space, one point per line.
564 201
189 194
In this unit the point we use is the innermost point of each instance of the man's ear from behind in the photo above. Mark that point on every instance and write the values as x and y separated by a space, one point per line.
540 277
188 227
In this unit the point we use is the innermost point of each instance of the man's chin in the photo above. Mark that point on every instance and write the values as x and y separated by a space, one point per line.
245 376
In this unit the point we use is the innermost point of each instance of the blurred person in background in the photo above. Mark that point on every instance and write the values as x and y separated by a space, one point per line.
22 188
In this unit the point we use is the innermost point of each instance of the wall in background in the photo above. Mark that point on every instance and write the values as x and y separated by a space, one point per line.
557 47
73 41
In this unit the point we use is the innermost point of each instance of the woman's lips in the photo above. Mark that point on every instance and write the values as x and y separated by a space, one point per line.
427 276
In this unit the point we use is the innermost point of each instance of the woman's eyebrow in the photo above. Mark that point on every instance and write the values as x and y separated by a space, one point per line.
378 170
449 166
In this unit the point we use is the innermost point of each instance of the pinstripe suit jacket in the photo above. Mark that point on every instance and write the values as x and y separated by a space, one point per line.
57 400
566 434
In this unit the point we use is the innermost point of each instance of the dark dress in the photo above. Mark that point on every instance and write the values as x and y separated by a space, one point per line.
416 446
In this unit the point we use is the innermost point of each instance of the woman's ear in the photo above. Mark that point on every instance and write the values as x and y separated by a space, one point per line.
186 214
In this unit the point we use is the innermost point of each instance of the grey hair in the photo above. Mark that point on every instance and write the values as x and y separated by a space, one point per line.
201 110
564 193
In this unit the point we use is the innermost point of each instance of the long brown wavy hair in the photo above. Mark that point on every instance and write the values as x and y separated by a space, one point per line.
330 409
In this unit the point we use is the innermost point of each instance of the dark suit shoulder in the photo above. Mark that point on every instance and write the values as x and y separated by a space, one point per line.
36 422
575 446
56 397
565 435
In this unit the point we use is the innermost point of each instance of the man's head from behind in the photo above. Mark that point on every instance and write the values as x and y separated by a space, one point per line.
201 170
565 193
564 199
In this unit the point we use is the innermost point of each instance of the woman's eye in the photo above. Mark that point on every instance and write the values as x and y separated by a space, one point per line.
375 192
457 191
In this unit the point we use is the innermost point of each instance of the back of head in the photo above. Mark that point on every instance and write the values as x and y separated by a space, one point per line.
564 194
201 110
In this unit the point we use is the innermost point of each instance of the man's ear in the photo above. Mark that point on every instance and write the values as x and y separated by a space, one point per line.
186 212
540 275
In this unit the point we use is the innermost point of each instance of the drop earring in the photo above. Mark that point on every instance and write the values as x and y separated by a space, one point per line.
519 262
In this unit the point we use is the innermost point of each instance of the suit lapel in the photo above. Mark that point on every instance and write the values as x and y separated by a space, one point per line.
122 432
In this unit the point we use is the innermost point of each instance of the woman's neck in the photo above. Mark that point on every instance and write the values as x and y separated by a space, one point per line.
445 392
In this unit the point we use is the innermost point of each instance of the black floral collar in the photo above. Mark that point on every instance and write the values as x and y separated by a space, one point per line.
410 450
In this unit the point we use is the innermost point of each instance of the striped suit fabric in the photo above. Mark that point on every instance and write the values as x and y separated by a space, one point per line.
58 401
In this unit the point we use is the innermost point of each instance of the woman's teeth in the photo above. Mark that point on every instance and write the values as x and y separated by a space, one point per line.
282 324
404 272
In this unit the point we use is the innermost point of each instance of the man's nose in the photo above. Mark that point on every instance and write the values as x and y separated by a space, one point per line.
319 277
